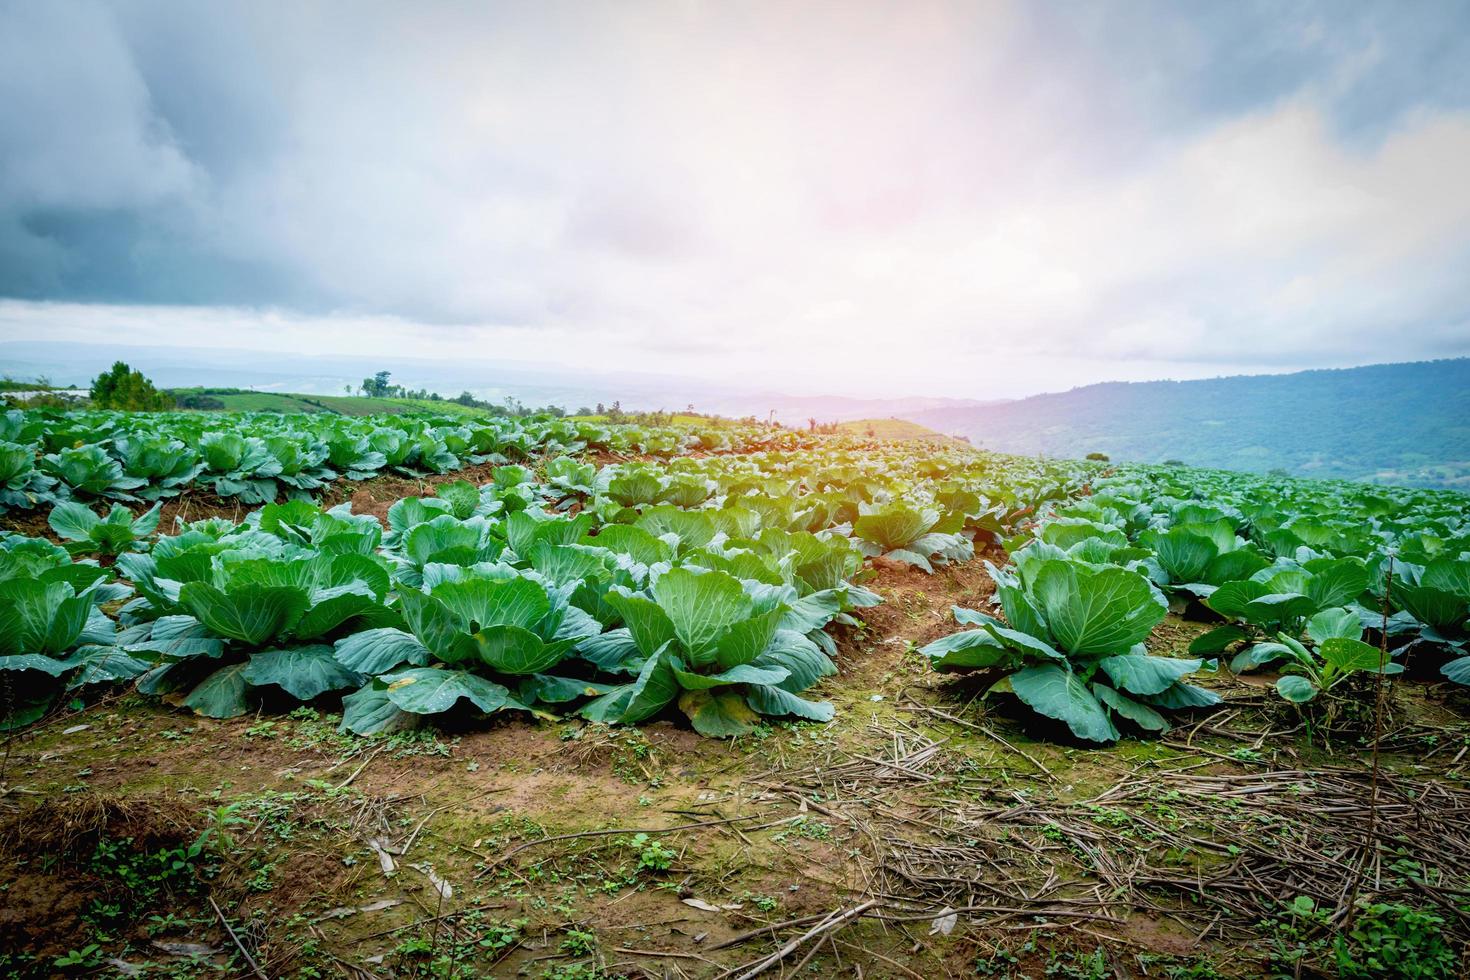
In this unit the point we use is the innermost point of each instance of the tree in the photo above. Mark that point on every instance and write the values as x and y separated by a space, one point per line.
1099 457
126 389
377 386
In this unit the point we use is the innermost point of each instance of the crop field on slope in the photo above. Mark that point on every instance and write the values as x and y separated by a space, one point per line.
897 430
286 402
572 700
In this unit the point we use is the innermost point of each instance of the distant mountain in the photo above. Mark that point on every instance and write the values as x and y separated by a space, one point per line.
796 409
1389 423
533 384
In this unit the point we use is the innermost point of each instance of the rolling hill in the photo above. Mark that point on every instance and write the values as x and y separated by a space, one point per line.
896 430
234 400
322 378
1389 423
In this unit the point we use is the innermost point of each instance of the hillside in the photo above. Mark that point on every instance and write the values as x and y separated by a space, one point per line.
1389 423
895 430
321 377
234 400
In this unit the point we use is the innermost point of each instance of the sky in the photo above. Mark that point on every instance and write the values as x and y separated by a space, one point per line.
979 199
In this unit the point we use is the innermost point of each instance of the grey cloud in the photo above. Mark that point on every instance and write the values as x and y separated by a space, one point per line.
1189 64
693 178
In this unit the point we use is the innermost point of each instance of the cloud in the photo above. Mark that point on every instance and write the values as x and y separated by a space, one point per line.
907 196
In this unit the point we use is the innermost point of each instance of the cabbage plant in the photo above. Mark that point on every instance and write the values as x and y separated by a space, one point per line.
1333 652
253 622
815 570
724 652
92 472
572 478
301 464
415 450
1284 595
1072 648
22 485
166 465
1437 595
352 455
634 551
445 540
53 636
337 531
1199 558
918 536
240 466
88 534
624 491
41 560
471 635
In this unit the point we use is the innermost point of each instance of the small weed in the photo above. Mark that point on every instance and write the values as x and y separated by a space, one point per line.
264 729
87 958
763 903
580 971
464 948
652 855
1296 937
1109 816
1080 966
805 827
1175 968
1393 940
999 963
262 880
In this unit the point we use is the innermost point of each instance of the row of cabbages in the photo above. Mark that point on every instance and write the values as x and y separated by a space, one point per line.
1298 576
49 456
703 583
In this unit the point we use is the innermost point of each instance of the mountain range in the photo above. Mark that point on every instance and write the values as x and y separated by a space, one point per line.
1406 424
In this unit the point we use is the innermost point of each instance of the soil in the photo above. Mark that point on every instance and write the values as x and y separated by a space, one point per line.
43 909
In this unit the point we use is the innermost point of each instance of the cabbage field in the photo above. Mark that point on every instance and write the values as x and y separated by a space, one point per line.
421 695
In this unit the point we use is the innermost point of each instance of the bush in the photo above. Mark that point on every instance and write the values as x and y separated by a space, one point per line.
125 389
198 401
